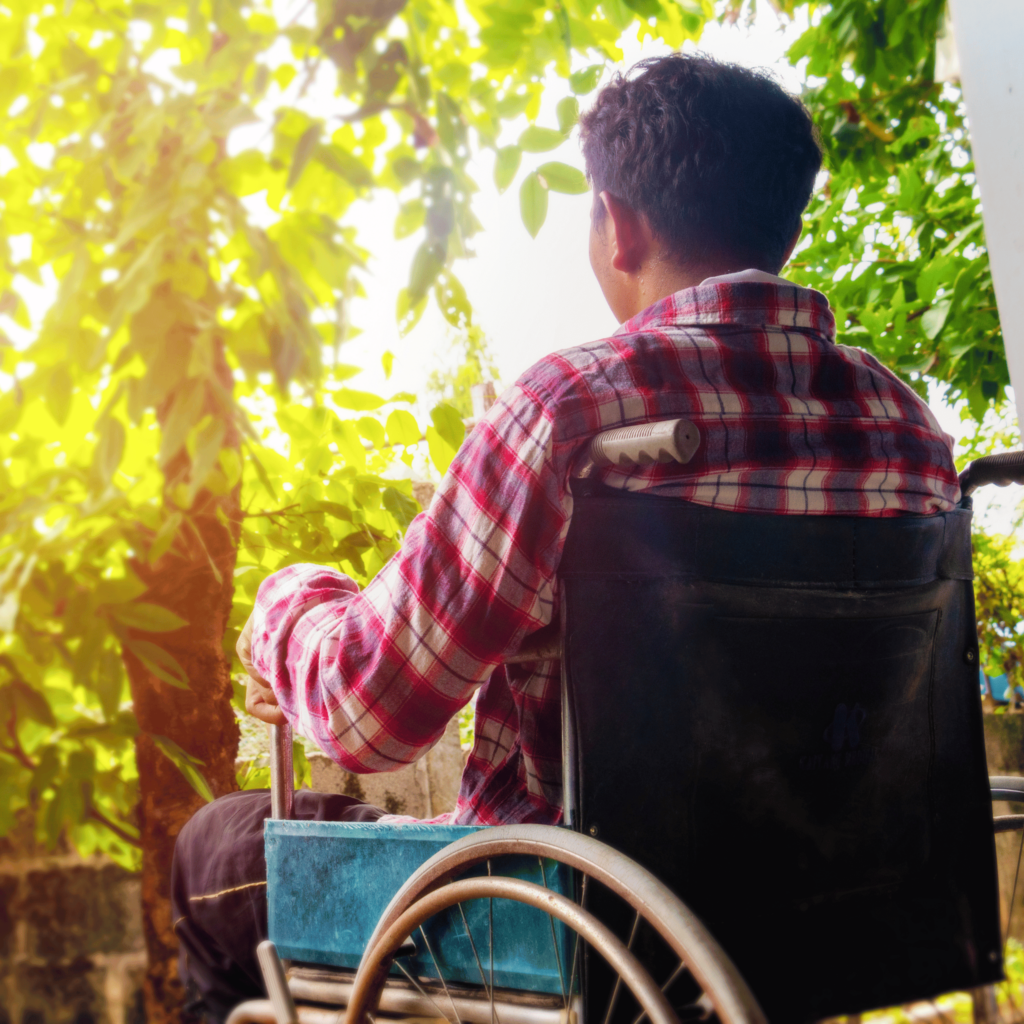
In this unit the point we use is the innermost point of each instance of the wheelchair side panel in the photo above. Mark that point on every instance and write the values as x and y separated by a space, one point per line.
329 882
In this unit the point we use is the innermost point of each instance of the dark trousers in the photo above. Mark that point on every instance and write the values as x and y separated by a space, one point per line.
219 891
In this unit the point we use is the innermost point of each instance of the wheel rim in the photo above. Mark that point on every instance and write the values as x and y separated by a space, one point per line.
660 907
376 963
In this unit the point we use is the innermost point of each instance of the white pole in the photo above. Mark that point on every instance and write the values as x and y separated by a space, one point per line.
990 45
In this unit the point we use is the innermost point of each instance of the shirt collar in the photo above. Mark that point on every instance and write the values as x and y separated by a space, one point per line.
751 298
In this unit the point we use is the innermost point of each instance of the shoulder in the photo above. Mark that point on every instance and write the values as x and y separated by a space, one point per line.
574 385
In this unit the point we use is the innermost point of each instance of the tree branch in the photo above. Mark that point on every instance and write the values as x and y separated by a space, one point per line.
100 817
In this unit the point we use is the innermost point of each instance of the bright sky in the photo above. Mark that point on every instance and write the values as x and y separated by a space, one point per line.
531 296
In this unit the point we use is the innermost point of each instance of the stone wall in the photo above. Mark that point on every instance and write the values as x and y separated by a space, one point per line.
424 789
1004 748
71 948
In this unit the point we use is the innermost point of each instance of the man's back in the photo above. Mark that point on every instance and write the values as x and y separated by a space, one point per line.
790 423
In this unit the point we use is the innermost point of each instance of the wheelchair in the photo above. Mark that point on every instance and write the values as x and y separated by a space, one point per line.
776 802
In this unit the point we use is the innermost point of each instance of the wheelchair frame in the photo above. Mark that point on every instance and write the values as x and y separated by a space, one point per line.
425 893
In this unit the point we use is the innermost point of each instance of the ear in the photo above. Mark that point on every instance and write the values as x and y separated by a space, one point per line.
630 239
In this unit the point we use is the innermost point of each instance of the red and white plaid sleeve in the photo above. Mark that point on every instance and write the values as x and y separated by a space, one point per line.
373 676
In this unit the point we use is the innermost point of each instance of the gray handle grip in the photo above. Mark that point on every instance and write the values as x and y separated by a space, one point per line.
644 443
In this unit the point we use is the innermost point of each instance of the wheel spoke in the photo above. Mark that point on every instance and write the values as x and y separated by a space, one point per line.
422 991
440 974
576 943
554 940
476 956
618 978
664 988
1013 894
675 974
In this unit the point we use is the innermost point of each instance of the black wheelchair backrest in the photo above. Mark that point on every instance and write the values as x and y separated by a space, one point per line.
780 717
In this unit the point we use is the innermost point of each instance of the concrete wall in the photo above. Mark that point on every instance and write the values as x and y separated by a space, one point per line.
1004 748
71 948
424 789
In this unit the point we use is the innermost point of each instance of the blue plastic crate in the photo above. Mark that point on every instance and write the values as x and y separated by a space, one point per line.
329 882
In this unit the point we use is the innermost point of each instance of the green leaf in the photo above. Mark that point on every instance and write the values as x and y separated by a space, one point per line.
568 113
449 425
407 311
540 140
81 764
562 178
185 413
387 362
441 452
426 265
514 104
506 164
187 764
586 80
402 428
150 618
373 431
159 662
934 319
31 703
165 537
119 590
304 149
109 683
109 449
400 505
205 452
58 393
645 8
341 162
533 203
410 218
358 401
261 472
47 769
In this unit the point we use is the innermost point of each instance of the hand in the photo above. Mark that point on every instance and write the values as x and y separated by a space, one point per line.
260 700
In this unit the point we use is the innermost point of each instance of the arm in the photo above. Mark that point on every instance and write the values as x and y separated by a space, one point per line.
373 677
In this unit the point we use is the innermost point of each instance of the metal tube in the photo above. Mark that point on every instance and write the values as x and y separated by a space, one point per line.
282 774
671 918
403 1001
373 968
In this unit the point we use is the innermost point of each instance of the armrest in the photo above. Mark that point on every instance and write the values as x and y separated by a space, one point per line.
1007 787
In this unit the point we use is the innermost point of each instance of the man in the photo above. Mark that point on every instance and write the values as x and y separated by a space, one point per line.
701 172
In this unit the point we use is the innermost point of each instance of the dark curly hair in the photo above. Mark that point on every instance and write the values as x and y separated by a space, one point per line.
718 158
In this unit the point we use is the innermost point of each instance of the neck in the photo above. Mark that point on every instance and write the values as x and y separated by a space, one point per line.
658 277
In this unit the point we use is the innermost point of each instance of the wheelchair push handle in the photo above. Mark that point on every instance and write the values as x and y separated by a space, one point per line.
644 443
640 445
1001 470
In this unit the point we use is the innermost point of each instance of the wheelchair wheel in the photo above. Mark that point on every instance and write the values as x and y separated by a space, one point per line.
652 958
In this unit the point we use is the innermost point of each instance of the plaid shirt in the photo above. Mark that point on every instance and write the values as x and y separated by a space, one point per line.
790 423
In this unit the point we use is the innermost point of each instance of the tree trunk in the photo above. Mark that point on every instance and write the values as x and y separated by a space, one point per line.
200 720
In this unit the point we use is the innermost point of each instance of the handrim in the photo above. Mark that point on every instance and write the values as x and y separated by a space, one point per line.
660 907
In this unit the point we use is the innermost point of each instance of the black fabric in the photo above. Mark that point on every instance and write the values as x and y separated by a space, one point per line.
680 539
219 891
801 760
